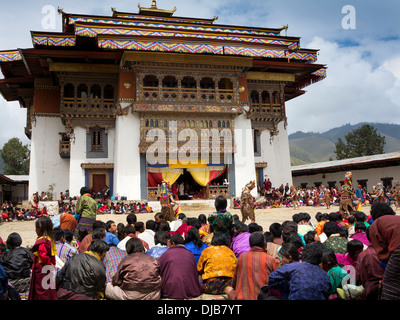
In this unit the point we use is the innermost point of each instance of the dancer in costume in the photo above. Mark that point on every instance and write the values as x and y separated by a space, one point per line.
247 203
295 197
380 193
347 194
327 197
396 194
167 202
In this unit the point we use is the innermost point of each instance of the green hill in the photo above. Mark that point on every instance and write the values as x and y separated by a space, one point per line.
311 147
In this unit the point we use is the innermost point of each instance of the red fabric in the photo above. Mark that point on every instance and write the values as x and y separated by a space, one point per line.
155 178
39 278
214 174
384 235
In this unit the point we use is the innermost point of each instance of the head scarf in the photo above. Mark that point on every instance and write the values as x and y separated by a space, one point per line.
385 236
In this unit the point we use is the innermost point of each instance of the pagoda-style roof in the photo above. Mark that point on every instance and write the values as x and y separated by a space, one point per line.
104 39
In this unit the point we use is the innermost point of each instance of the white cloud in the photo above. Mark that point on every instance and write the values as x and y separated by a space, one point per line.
355 90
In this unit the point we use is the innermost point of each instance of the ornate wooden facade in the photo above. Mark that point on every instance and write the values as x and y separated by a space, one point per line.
180 74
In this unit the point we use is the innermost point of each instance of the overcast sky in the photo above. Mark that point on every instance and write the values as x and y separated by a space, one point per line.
363 82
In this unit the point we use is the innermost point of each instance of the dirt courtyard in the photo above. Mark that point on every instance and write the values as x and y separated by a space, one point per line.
264 217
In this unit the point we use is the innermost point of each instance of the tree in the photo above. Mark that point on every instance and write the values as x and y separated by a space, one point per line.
364 141
16 157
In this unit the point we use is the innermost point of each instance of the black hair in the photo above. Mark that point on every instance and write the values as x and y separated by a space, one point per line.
330 228
329 259
312 253
257 239
360 226
194 222
182 216
309 236
161 237
14 240
129 229
164 226
321 216
134 245
139 225
219 239
287 231
131 218
151 225
360 216
254 227
295 239
98 234
220 203
276 229
343 232
289 250
379 209
98 246
84 190
354 247
268 236
98 224
335 216
296 217
58 233
108 224
176 239
202 218
69 235
193 235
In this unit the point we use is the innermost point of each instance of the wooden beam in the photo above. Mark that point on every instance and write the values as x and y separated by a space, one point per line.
186 58
83 67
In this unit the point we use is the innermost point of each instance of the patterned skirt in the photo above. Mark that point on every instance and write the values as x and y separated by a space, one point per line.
215 285
84 224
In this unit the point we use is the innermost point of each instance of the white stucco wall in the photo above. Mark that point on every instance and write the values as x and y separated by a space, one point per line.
46 165
244 156
127 157
79 156
373 175
277 157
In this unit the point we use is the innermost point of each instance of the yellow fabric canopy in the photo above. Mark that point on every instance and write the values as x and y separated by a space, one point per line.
180 165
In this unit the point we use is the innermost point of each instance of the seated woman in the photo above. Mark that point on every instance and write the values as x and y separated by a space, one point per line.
17 263
83 276
179 272
161 244
305 279
240 242
137 277
194 244
216 265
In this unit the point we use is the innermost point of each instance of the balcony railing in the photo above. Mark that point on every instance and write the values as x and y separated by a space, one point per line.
165 94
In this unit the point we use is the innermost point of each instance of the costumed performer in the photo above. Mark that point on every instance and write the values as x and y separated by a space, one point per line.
347 194
247 204
167 202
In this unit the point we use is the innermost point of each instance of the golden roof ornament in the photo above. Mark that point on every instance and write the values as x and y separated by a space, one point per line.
154 11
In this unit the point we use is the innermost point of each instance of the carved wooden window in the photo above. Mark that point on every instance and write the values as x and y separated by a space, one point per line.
82 91
96 136
69 91
150 86
109 92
